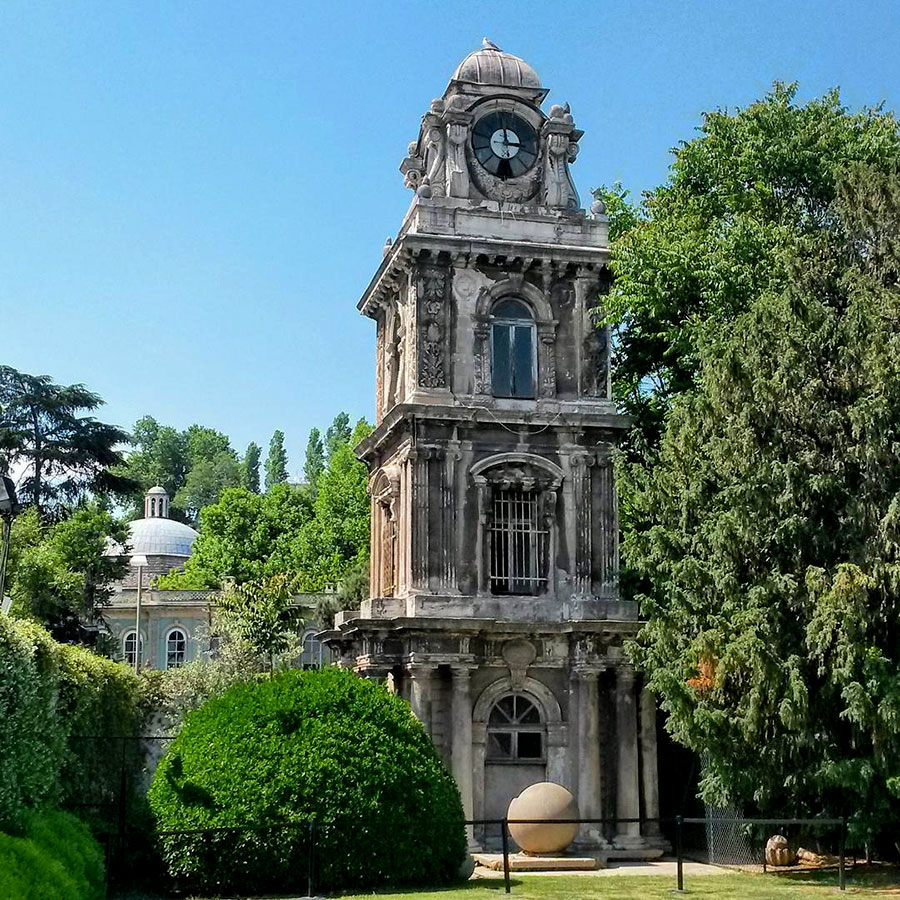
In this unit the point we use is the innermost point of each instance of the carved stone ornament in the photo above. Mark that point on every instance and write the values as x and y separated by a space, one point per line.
518 654
432 329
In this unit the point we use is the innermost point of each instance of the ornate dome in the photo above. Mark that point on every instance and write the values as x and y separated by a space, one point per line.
160 537
491 65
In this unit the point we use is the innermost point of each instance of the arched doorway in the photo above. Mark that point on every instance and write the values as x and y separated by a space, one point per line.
516 751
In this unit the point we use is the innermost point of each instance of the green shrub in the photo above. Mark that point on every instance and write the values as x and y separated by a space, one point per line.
50 695
55 859
98 701
32 736
323 746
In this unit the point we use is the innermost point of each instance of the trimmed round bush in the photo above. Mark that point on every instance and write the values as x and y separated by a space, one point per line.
318 769
55 859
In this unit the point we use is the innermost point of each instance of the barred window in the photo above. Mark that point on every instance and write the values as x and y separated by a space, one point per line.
176 648
515 731
518 543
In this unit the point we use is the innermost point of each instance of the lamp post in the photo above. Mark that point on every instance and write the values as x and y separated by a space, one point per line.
138 561
9 506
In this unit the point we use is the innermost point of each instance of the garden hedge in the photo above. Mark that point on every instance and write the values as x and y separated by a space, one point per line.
55 858
267 759
50 695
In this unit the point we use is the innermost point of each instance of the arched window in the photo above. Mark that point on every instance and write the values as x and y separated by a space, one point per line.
129 643
515 731
311 652
176 648
513 363
152 507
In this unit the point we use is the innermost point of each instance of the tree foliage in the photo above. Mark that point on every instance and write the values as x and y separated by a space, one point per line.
250 468
61 574
739 203
289 529
315 459
766 530
64 453
276 461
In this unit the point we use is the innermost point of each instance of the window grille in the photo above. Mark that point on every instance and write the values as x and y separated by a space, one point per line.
515 731
129 646
176 648
518 544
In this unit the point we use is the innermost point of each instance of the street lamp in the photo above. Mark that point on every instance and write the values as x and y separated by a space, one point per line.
138 561
9 506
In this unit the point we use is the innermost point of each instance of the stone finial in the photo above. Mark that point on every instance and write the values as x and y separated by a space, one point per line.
598 208
388 243
424 189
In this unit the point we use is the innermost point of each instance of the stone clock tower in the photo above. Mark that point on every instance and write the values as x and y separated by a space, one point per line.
494 602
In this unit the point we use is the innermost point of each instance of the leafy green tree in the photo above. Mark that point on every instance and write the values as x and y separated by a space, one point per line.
339 532
737 208
160 457
206 480
250 468
337 434
244 537
315 458
65 453
262 615
276 462
61 574
352 590
767 530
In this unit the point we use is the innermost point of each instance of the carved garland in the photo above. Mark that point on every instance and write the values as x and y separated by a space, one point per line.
432 329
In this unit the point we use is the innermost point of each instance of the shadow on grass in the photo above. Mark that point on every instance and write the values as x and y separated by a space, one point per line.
862 875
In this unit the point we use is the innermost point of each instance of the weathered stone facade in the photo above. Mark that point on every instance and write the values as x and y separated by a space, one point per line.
494 600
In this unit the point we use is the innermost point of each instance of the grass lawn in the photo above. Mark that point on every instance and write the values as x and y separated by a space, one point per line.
738 886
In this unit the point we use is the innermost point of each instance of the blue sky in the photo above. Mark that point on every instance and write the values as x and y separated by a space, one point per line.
194 195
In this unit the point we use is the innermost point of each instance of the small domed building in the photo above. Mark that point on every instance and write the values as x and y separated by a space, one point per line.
175 625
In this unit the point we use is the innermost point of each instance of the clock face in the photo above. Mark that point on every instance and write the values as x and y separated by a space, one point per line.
504 144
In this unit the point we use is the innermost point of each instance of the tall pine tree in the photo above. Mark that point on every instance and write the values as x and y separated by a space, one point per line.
315 458
276 463
250 467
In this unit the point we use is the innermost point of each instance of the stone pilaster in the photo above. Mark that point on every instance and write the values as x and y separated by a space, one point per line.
421 679
461 741
628 805
589 785
649 773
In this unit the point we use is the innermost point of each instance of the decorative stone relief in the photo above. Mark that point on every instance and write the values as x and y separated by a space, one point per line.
432 328
518 654
548 365
457 170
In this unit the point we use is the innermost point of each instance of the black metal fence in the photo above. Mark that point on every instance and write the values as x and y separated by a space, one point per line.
119 814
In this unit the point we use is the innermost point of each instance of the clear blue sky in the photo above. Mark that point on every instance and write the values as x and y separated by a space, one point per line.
194 195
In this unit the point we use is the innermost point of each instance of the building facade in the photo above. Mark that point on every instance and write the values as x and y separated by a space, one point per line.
494 601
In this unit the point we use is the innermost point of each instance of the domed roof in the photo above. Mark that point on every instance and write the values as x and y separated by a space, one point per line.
491 65
157 491
160 537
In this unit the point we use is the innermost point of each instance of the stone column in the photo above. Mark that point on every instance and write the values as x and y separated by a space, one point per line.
420 683
628 805
649 772
461 741
589 800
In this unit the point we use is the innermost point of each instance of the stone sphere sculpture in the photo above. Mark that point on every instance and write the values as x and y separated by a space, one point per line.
544 800
778 852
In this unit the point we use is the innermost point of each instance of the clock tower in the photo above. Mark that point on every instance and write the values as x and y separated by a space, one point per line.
494 602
